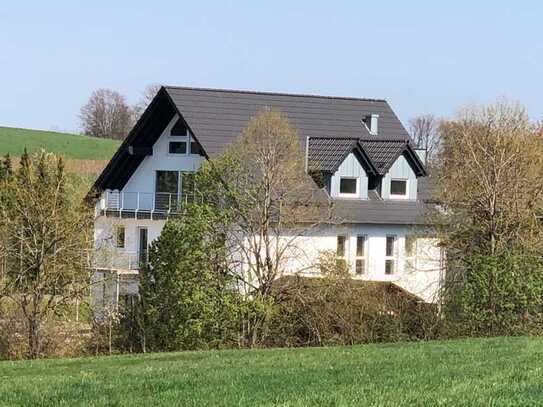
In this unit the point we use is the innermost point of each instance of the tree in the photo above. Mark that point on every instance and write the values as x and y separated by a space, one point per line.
187 298
272 204
490 179
147 96
45 230
425 133
106 115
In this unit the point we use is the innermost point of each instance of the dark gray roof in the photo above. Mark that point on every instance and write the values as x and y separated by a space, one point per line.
384 153
326 154
380 211
218 116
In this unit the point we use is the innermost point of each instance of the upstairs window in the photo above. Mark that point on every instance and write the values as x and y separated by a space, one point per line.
398 188
177 147
179 129
348 186
195 148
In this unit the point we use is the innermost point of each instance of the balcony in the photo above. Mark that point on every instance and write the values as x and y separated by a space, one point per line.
118 261
144 205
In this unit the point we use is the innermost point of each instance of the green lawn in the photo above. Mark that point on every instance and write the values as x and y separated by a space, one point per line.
488 372
13 141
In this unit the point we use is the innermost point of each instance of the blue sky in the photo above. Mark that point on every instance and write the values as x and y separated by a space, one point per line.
424 57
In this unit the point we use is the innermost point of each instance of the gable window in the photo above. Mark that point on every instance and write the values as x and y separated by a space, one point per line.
119 237
360 260
398 188
390 254
348 186
195 148
179 129
410 253
177 147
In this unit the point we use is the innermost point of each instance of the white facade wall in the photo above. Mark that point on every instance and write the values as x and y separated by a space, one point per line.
422 278
351 168
143 179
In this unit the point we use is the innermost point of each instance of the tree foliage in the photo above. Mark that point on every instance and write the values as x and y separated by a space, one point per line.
188 300
491 189
45 230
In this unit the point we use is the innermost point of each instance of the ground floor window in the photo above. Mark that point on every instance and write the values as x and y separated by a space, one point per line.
390 254
410 253
360 260
119 237
341 251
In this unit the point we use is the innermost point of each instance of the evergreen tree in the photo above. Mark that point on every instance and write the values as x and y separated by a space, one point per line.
187 298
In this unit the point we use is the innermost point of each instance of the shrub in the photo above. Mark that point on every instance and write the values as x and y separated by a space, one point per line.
496 295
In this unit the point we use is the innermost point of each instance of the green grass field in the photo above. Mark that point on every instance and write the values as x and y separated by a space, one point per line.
478 372
13 141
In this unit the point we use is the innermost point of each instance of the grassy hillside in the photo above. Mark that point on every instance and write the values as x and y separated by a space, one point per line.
503 371
13 141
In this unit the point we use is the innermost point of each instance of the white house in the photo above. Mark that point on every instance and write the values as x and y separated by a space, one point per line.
358 147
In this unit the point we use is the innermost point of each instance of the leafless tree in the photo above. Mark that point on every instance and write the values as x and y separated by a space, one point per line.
490 177
272 202
424 130
146 97
106 115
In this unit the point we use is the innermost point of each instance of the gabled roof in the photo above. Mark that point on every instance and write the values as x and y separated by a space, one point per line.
326 154
384 153
216 117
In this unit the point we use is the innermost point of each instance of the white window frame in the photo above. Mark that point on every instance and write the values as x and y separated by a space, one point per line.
349 195
344 258
410 259
364 257
116 230
396 196
393 257
179 139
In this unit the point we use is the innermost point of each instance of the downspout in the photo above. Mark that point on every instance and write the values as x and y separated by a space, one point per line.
306 153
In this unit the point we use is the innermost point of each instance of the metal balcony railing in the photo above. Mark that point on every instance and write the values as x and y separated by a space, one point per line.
147 201
118 260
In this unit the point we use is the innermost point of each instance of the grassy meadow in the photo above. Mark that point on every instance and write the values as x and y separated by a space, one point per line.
14 140
84 155
474 372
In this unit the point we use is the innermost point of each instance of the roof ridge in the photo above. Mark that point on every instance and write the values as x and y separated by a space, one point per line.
254 92
406 140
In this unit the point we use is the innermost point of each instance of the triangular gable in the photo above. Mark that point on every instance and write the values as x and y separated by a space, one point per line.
384 153
140 141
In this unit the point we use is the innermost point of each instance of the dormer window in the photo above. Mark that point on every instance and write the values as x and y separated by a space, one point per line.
348 186
398 188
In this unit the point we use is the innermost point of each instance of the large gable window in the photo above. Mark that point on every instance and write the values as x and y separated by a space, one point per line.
348 186
398 188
